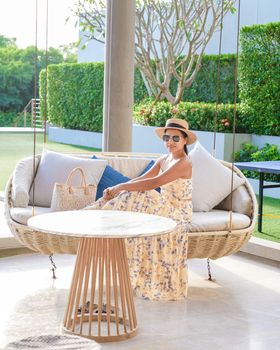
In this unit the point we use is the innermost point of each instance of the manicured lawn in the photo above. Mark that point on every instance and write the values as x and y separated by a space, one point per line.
15 146
271 220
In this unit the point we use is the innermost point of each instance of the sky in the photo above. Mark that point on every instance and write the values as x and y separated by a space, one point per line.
18 20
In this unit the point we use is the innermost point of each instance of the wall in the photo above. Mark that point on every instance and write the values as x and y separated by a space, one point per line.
251 12
75 137
145 140
261 140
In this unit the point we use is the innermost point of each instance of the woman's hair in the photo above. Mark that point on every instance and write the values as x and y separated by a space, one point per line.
185 146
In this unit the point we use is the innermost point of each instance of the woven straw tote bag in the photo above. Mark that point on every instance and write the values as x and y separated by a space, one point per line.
68 197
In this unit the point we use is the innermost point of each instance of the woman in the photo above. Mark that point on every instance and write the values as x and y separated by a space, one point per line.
158 264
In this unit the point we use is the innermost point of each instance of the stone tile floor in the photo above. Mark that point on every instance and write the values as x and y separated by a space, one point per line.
240 310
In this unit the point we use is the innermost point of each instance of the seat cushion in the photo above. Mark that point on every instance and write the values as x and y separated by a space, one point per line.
22 180
55 167
211 180
217 220
21 215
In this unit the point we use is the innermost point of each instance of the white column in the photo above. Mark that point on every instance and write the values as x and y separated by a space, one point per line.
119 76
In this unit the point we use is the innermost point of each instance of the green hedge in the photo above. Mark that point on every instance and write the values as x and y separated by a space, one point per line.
75 95
75 91
204 87
201 116
249 153
259 77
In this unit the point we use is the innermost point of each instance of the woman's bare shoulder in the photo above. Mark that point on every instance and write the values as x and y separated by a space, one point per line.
185 166
162 159
186 160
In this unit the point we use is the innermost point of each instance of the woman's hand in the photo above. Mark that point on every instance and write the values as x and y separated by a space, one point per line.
106 194
111 192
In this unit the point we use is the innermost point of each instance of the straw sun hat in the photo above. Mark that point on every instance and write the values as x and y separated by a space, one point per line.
177 124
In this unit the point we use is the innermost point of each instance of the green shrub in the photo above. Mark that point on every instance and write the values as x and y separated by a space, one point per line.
249 152
204 87
11 119
245 153
75 95
75 91
201 116
259 77
140 91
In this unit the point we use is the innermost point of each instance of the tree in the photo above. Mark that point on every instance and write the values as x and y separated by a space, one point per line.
17 72
15 77
170 38
69 52
7 42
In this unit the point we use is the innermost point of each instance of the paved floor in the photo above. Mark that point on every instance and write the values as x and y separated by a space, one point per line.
241 310
7 240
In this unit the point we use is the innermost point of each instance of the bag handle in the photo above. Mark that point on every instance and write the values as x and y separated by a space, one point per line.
83 177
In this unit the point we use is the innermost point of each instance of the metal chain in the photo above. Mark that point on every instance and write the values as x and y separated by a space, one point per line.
53 266
209 270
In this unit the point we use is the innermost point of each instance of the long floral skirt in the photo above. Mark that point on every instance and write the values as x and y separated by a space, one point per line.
157 264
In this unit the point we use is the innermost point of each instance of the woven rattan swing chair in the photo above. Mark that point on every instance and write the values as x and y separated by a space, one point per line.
204 244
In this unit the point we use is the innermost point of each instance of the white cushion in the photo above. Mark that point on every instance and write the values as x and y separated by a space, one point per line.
211 180
21 215
217 220
214 220
22 180
55 167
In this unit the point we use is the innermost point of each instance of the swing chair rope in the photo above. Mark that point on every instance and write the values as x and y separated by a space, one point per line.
33 114
34 109
218 82
46 79
234 112
218 90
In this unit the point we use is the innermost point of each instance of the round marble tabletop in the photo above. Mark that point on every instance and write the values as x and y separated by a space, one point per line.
102 224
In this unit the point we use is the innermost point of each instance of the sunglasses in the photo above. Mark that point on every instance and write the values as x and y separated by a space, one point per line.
174 138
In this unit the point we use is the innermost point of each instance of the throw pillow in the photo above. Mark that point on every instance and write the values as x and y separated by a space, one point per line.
55 167
22 180
211 180
110 177
148 167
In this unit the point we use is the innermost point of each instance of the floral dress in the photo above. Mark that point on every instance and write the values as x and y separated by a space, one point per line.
157 264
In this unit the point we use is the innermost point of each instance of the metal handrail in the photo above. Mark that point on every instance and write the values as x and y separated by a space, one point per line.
32 107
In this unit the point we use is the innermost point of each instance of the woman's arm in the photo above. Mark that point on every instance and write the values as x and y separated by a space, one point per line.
152 172
182 168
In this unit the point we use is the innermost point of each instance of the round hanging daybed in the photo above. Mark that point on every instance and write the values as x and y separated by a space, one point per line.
213 234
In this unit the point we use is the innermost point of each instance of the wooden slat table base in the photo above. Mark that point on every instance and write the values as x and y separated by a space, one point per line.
100 304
